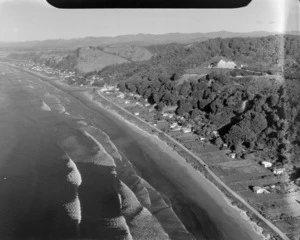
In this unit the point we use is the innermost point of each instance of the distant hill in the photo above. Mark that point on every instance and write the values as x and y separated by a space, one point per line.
137 39
87 59
258 54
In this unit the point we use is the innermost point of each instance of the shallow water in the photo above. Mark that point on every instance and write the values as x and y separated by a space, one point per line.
29 144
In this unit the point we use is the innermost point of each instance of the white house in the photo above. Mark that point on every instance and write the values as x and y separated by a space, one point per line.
186 129
260 190
232 155
136 114
278 171
126 102
147 104
266 164
202 138
178 128
121 95
173 125
103 89
223 64
215 133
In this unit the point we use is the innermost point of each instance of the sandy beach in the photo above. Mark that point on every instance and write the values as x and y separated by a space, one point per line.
149 185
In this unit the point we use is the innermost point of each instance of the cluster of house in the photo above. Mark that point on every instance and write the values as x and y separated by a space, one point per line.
92 79
185 129
276 171
48 70
108 89
260 190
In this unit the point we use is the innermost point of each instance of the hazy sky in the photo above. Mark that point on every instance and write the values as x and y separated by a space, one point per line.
22 20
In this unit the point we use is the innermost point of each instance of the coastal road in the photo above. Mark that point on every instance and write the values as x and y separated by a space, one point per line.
212 174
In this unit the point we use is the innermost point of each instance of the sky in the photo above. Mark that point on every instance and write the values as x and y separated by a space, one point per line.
26 20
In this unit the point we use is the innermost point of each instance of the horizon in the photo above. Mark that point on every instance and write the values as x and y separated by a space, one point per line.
115 36
36 20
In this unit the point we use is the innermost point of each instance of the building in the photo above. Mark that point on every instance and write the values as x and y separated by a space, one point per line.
136 114
266 164
187 129
121 95
232 155
173 125
278 171
223 64
215 133
178 128
260 190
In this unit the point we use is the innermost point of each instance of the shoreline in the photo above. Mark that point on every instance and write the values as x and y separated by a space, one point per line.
242 212
233 200
252 217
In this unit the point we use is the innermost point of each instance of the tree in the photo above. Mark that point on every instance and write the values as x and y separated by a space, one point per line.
121 86
184 107
160 106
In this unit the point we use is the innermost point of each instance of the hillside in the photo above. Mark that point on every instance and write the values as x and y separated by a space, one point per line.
263 54
85 60
251 107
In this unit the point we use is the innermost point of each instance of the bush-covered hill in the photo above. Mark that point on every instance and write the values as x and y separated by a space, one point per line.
255 110
261 54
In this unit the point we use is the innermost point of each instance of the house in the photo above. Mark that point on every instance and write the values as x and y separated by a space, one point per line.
215 133
260 190
173 125
266 164
278 171
232 155
103 89
178 128
171 115
223 64
147 104
202 138
126 102
187 129
225 145
121 95
136 114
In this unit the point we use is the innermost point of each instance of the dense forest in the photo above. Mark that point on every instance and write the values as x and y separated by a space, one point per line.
256 111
